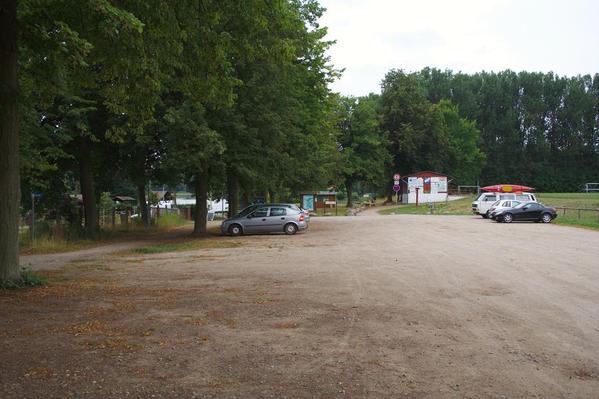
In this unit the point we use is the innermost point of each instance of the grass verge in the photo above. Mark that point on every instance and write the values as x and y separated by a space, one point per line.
26 280
585 219
44 244
457 207
187 245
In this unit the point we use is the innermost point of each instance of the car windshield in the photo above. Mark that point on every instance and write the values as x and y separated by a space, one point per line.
247 210
520 205
496 203
480 197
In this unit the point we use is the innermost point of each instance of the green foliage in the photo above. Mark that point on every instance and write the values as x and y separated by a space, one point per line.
362 144
462 206
464 159
168 220
417 138
188 245
106 201
27 279
427 136
537 129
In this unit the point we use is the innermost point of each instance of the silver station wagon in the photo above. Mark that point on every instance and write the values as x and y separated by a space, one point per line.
267 218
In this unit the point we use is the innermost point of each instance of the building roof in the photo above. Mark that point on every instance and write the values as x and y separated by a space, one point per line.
426 173
122 198
318 193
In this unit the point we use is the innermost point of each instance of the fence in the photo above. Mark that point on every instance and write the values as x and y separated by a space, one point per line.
124 217
591 187
468 190
590 214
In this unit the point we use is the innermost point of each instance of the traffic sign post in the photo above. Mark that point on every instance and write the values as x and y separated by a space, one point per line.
396 186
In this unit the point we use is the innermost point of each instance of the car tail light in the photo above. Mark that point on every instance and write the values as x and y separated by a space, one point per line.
301 218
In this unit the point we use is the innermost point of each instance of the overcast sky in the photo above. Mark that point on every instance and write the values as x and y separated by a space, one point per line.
374 36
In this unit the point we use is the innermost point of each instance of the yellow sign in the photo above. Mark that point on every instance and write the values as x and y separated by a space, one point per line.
507 189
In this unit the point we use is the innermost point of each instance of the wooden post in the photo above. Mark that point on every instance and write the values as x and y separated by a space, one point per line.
113 217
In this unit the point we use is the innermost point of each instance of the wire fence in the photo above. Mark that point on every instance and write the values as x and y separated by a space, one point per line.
587 214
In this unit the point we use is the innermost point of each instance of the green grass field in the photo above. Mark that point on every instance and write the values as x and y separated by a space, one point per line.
458 207
588 219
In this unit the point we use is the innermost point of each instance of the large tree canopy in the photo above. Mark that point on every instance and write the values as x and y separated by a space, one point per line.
211 93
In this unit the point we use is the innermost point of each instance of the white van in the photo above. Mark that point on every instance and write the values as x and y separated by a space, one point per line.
484 201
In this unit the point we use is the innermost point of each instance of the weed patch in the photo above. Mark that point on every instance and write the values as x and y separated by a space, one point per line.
188 245
26 280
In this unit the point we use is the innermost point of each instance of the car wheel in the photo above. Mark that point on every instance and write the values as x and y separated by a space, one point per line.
235 230
485 215
290 229
507 218
546 218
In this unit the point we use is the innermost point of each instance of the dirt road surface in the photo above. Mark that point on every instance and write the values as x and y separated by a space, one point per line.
369 306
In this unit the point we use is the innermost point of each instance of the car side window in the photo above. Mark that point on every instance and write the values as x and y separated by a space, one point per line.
490 198
260 213
278 212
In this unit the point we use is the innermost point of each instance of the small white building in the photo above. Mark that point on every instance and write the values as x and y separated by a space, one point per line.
424 187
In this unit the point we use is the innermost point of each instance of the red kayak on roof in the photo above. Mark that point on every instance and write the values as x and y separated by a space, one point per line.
507 188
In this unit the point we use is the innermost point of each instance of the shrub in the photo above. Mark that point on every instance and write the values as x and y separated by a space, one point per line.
27 279
169 220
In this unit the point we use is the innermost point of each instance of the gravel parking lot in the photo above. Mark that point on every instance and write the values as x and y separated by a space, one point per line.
368 306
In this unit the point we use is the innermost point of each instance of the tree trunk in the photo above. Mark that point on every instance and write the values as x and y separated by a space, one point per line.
143 205
245 200
86 180
232 192
350 191
10 191
273 197
201 189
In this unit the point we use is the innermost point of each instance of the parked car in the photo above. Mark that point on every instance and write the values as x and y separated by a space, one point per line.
485 200
502 205
248 209
266 218
534 212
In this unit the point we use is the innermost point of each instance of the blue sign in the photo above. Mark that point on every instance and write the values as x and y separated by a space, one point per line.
36 195
308 202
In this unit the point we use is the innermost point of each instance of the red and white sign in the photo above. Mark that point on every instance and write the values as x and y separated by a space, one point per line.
396 176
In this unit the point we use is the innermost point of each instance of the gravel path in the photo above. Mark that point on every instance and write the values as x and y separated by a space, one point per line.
368 306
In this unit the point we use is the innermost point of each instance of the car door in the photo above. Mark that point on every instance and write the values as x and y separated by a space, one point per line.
255 222
276 219
530 211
